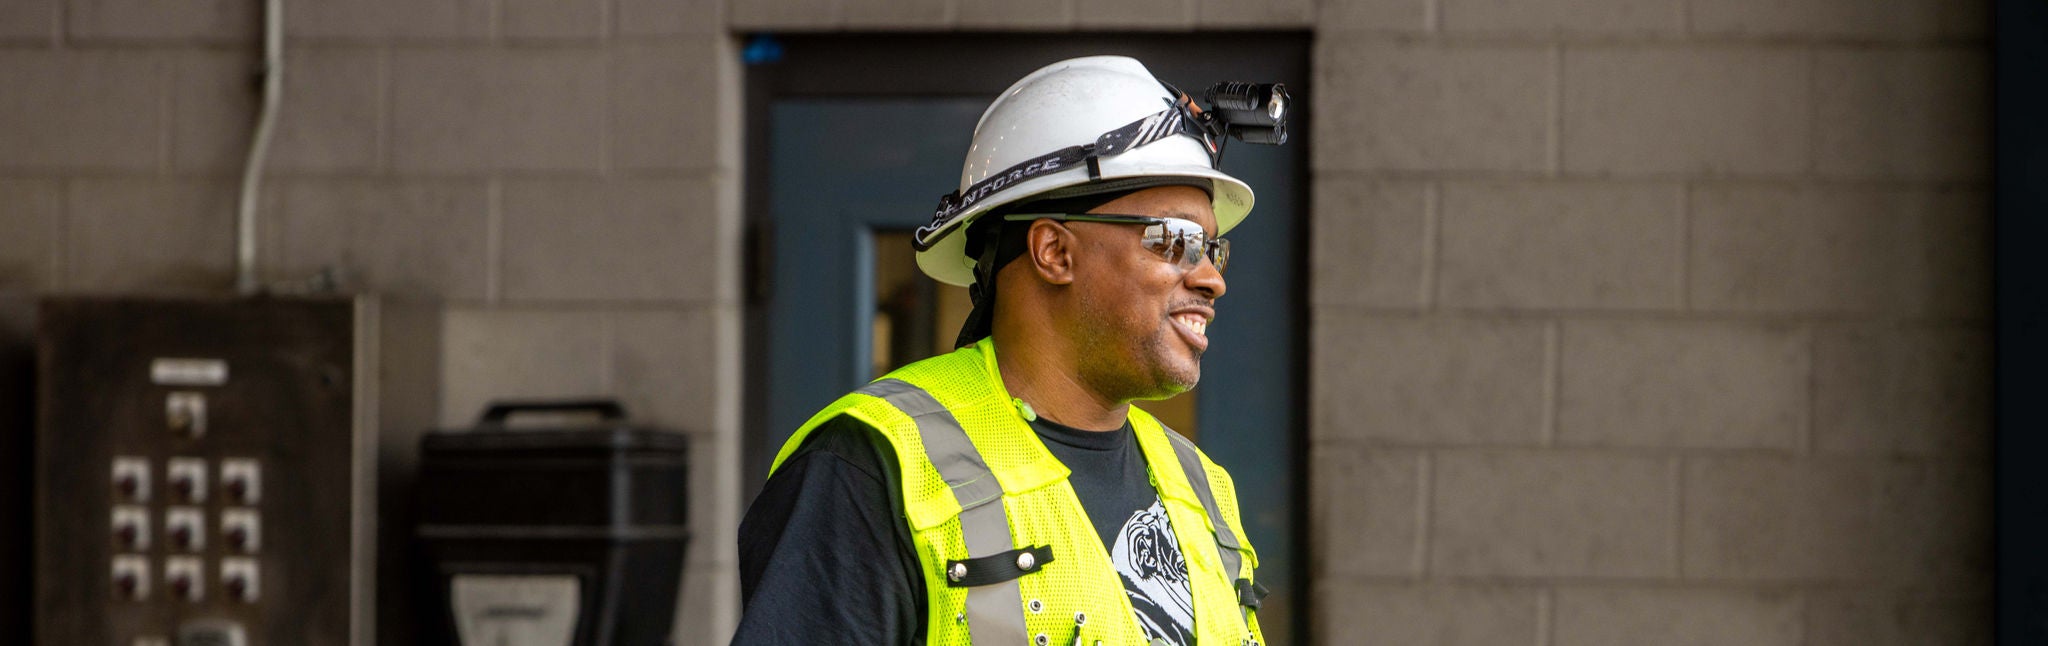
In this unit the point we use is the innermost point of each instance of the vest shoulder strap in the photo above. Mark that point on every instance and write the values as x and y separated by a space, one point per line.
995 613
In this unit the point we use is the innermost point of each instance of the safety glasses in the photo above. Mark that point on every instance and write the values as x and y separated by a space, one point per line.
1179 241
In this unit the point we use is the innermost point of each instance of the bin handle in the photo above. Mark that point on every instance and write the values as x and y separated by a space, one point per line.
498 411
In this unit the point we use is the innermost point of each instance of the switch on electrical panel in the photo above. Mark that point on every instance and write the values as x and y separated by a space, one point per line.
131 528
242 480
238 577
131 577
187 478
185 414
185 577
185 527
242 529
131 479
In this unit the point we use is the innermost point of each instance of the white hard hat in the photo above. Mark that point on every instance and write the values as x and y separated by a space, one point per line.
1101 123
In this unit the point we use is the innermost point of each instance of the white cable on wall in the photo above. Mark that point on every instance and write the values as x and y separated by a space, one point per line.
259 146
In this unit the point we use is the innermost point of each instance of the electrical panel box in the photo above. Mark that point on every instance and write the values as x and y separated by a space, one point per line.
213 471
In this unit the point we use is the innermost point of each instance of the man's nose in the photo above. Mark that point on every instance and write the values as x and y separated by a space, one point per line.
1205 278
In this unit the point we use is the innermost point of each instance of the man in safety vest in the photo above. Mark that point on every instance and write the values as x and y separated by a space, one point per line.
1007 492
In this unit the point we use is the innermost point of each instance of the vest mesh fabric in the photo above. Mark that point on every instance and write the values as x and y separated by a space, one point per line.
1043 510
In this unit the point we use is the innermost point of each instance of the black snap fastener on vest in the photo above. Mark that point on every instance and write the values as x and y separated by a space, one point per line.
1036 605
998 567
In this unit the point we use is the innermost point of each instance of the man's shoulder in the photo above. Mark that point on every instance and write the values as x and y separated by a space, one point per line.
850 440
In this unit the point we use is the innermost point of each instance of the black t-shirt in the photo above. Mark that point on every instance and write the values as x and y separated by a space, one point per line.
826 555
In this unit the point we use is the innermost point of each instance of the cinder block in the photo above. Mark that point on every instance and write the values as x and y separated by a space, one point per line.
29 212
670 17
332 113
898 14
81 110
390 19
647 240
1677 617
553 19
149 235
1684 384
1819 18
1966 20
29 21
1016 14
1368 511
212 110
1903 113
1339 16
185 20
519 354
1424 614
1893 618
1136 14
665 369
1783 519
1903 391
327 120
665 107
404 237
708 605
1840 249
1552 514
498 110
1297 14
788 14
1371 242
1428 382
1429 107
1686 110
1563 246
1564 16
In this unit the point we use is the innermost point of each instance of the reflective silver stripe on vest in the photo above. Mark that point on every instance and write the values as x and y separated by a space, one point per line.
995 613
1226 540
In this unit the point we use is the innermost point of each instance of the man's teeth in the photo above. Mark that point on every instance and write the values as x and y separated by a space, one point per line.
1198 324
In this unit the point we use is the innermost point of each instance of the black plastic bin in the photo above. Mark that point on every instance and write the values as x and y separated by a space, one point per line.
528 527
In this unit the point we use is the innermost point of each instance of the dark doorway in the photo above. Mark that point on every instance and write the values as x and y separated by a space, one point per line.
851 141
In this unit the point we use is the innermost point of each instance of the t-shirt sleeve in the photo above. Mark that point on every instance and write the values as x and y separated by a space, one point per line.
825 554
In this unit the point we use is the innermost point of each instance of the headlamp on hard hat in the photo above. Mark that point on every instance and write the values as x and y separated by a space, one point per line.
1254 113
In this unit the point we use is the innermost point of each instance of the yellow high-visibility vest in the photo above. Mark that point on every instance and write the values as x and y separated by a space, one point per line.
1009 555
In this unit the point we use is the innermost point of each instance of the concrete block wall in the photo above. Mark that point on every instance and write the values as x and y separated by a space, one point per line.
1651 321
563 176
1633 320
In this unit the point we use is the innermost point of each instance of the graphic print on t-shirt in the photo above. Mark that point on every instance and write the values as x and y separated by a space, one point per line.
1155 576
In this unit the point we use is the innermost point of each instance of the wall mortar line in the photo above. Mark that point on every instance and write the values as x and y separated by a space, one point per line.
1553 382
1432 243
1685 268
494 240
1425 494
1556 130
1678 517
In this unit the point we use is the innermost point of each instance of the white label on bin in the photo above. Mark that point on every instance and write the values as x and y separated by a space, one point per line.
502 610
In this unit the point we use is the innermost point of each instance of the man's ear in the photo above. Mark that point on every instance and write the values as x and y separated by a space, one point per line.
1051 249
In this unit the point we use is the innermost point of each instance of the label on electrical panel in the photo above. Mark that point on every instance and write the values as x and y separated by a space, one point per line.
188 372
505 610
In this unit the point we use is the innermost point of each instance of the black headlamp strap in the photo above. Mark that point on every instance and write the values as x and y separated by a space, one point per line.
1174 120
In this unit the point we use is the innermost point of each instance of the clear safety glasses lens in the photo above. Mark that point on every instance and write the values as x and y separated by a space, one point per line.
1185 243
1182 242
